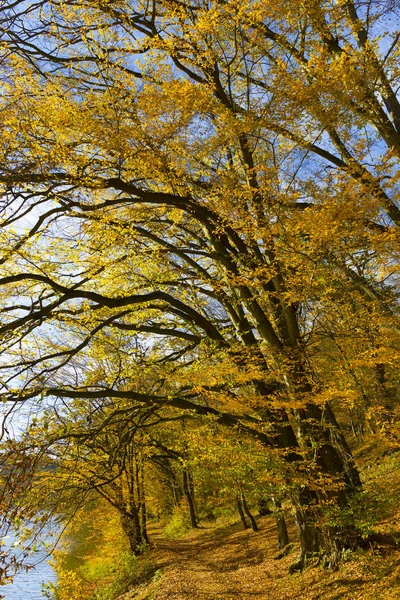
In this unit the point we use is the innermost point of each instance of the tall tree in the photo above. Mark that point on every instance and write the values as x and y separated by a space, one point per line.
214 176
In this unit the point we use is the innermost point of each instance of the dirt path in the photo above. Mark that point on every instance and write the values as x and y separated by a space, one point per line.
212 564
218 564
232 564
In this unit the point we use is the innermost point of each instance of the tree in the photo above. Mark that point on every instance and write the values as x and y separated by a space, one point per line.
105 459
190 208
17 472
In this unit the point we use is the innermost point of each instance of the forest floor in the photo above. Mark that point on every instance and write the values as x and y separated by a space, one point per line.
227 563
230 563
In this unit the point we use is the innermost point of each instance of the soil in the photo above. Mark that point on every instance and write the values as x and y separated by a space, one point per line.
229 563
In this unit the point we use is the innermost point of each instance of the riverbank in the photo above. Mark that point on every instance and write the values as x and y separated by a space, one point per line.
221 561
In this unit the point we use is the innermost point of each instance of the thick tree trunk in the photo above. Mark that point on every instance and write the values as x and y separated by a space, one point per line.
246 508
329 461
283 536
315 442
306 518
323 451
339 442
131 526
321 541
241 513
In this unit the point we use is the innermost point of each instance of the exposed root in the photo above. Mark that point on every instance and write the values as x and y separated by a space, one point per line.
284 552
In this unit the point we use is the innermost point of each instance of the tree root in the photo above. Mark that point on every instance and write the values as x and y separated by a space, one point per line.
284 552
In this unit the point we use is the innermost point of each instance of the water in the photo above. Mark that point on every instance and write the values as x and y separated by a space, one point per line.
27 585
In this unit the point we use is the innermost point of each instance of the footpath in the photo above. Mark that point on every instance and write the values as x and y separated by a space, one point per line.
232 564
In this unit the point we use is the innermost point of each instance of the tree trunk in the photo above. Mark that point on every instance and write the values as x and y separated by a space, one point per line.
320 541
131 526
176 493
263 508
241 513
170 479
187 487
283 536
339 441
307 530
254 525
326 454
318 445
142 504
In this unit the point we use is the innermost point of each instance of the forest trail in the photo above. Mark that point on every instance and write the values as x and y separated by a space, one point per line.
234 564
221 563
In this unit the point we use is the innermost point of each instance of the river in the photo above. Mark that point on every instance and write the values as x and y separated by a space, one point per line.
27 585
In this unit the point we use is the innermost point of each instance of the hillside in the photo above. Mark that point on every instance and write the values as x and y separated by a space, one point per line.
231 563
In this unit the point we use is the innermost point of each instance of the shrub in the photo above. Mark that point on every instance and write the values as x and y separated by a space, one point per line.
178 525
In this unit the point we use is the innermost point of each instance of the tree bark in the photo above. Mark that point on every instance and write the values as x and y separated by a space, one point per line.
246 508
142 503
241 513
339 441
283 536
307 529
131 526
187 488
